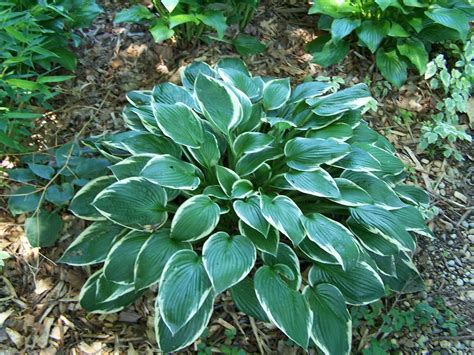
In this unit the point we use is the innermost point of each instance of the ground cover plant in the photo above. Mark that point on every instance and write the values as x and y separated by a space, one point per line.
284 197
188 20
35 40
399 33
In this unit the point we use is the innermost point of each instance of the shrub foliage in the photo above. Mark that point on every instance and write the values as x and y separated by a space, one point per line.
230 182
399 33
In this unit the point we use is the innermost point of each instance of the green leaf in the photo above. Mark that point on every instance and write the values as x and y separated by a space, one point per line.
309 90
342 27
227 259
317 183
331 53
451 18
396 30
332 324
250 162
287 257
233 63
242 188
169 93
267 243
161 32
413 220
120 262
408 279
250 212
184 287
251 142
333 238
307 154
375 242
208 153
413 194
389 163
339 131
244 296
195 219
21 175
190 73
180 123
242 81
358 160
313 252
372 33
276 93
153 256
215 19
54 78
136 13
43 171
148 143
248 45
218 103
81 204
59 194
189 333
134 202
24 199
392 67
170 5
415 51
351 194
93 244
285 307
382 221
352 98
384 4
171 172
282 213
176 20
43 229
226 178
131 166
359 285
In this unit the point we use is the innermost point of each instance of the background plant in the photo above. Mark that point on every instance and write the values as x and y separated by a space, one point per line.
189 20
231 182
48 181
455 87
35 40
399 33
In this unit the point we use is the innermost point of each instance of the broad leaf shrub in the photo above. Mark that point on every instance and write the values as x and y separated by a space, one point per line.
188 20
35 40
399 33
46 183
285 198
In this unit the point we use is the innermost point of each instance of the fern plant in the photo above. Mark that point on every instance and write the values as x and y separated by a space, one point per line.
285 198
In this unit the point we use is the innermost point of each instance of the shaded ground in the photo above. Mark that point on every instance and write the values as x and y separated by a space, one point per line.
38 298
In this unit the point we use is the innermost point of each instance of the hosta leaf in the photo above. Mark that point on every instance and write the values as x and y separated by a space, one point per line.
93 298
226 178
170 5
285 307
375 242
282 213
152 144
93 244
314 252
131 166
307 154
413 194
250 212
359 285
251 142
43 229
191 72
267 243
244 296
392 67
218 103
189 333
120 263
308 90
242 188
233 63
184 288
227 259
415 51
348 99
413 220
81 204
241 81
180 123
276 93
332 324
351 194
382 221
408 279
24 199
342 27
168 171
380 192
153 256
134 202
287 257
208 153
250 162
384 4
389 163
358 160
451 18
333 238
195 219
318 183
372 33
331 52
168 93
340 131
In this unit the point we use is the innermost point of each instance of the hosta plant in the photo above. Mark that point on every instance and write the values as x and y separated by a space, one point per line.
399 33
232 183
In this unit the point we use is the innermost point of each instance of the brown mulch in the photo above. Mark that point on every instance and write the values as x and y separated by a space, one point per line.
39 312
